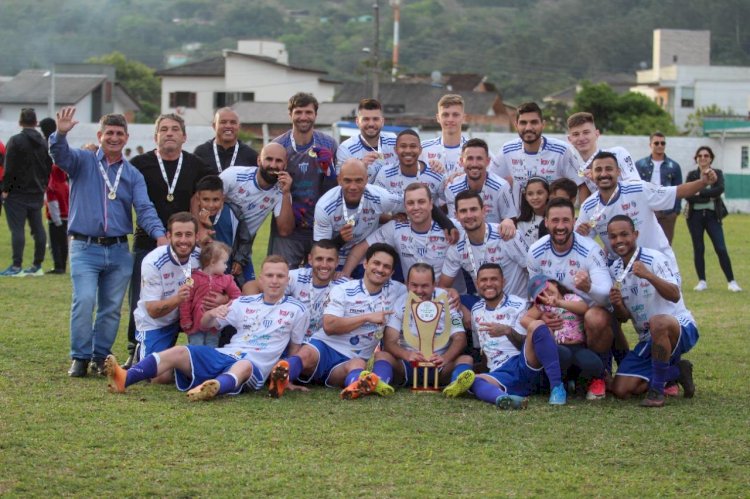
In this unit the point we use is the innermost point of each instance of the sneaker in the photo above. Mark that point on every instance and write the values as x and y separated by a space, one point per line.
653 399
461 385
79 368
671 389
559 396
734 287
382 388
685 379
597 389
360 387
701 286
12 271
55 271
34 270
279 379
115 375
506 402
205 391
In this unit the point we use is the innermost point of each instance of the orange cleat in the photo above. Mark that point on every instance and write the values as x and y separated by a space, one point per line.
205 391
115 375
279 379
365 385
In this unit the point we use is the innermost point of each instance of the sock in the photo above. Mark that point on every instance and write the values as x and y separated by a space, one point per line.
606 359
295 367
484 390
384 370
458 370
352 376
546 351
673 372
227 383
145 369
659 375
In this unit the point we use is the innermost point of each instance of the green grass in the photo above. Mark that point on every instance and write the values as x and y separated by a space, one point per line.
62 436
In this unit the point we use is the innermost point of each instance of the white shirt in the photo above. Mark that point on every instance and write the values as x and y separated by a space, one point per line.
350 300
625 162
529 231
585 254
656 172
355 147
329 215
508 312
642 299
448 156
496 197
555 159
396 322
248 201
264 329
161 277
394 181
313 297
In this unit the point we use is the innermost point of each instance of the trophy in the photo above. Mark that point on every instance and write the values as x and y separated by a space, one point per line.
426 316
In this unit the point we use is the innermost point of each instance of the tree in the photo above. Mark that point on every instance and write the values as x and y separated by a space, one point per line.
694 123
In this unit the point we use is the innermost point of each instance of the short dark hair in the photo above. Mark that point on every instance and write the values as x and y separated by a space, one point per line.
408 131
48 127
705 148
369 105
475 142
325 244
113 120
415 186
27 117
210 183
421 267
302 99
211 250
468 194
565 184
622 218
381 248
490 266
656 134
182 217
559 203
529 107
605 155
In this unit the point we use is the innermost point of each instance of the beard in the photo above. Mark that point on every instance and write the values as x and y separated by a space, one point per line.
268 177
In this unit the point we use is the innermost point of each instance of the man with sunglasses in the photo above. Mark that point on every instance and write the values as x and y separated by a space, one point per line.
658 169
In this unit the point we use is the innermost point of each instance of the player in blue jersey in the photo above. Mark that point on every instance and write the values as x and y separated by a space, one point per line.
372 145
647 292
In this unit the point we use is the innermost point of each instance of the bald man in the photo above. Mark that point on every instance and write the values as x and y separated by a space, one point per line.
350 212
225 149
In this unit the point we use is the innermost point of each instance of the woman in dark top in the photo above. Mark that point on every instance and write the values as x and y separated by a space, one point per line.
705 212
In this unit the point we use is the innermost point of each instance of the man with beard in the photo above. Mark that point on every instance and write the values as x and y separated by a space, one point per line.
442 153
533 155
373 146
311 164
409 169
225 149
647 291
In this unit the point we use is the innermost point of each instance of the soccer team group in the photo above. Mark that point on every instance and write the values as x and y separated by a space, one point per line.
364 231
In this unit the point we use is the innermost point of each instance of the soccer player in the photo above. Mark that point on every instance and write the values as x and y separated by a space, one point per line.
372 145
226 149
515 356
647 291
533 155
267 323
409 169
499 206
353 323
579 264
442 153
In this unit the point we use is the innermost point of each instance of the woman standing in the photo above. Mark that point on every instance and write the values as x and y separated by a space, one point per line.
705 212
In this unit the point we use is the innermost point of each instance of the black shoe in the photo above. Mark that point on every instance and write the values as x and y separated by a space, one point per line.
653 399
78 368
56 271
685 379
97 367
129 363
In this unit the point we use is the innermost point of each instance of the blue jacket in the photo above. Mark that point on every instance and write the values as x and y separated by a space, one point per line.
671 174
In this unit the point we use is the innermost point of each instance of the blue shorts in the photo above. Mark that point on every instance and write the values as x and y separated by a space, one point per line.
157 340
206 363
328 360
516 376
637 362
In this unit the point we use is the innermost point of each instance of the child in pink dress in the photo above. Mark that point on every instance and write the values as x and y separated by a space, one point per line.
210 277
549 296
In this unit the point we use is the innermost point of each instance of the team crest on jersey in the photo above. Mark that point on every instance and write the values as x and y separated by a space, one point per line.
560 276
168 275
421 252
303 167
546 263
267 322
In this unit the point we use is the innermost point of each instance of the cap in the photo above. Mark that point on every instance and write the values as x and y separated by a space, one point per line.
537 284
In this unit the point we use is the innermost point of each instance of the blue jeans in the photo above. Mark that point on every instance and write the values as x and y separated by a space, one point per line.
100 275
706 221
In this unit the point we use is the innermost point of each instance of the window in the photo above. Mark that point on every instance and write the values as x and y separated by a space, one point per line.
394 108
744 163
688 96
182 99
224 99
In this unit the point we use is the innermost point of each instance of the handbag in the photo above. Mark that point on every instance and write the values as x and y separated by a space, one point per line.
721 209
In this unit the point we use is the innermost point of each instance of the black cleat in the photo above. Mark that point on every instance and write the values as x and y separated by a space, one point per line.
653 399
685 379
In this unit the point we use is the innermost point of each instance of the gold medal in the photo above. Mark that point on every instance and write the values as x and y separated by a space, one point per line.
617 285
170 197
581 173
592 224
351 222
112 195
381 156
312 153
189 281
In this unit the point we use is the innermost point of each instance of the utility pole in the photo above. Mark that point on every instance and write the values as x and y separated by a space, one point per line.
376 52
396 5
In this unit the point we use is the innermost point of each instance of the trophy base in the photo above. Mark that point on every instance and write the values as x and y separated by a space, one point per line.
426 369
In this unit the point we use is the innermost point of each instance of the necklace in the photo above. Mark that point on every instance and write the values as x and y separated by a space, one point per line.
310 149
369 148
599 212
470 250
111 188
621 278
352 219
216 156
170 188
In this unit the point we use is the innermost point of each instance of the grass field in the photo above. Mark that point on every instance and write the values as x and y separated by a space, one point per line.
62 436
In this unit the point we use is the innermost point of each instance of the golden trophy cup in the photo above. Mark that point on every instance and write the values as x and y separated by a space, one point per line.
426 315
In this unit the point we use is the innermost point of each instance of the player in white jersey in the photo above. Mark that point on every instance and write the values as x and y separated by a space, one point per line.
165 284
482 243
353 321
499 206
266 324
635 198
408 169
372 145
533 155
350 212
442 153
583 136
647 291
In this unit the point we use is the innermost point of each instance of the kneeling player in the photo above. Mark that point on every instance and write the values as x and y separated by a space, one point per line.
266 323
647 291
515 356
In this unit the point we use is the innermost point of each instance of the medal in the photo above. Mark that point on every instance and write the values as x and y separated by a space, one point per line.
351 219
312 153
599 212
111 188
467 245
186 270
617 285
621 278
234 156
170 197
189 281
170 187
112 195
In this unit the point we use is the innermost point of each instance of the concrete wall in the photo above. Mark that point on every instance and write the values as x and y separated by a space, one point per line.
203 86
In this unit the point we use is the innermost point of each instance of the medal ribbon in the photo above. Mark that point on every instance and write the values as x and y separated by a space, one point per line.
216 156
170 188
621 277
186 270
468 245
599 212
111 188
356 215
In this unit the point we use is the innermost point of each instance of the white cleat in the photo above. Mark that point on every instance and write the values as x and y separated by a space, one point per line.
701 286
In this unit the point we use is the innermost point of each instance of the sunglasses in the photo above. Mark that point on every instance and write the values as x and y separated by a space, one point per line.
659 143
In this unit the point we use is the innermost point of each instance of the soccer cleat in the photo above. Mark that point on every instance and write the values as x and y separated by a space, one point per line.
734 287
205 391
653 399
685 379
12 271
671 390
506 402
460 386
115 375
558 395
597 389
34 270
382 388
701 286
279 379
365 385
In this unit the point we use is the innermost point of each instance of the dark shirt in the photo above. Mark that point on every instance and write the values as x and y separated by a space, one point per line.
246 155
27 164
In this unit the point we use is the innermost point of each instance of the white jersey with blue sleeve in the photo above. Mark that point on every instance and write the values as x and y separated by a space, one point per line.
248 201
161 277
356 147
642 299
313 297
509 313
392 179
625 162
433 150
497 197
350 300
264 329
